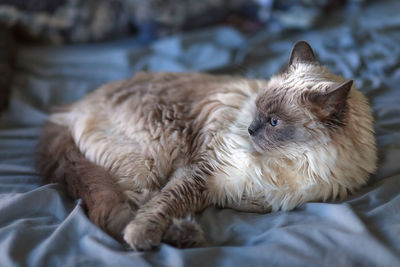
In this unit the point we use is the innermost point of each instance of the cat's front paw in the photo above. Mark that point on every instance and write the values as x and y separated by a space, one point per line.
141 235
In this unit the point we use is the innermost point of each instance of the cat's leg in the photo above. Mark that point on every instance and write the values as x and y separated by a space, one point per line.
184 194
105 202
184 233
59 160
250 204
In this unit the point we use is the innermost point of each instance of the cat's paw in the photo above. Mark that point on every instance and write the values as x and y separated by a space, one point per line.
184 233
142 235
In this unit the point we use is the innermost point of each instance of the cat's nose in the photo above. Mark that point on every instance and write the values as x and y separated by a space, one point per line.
251 131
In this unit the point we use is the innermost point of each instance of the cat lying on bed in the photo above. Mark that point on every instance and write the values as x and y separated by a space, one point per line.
147 152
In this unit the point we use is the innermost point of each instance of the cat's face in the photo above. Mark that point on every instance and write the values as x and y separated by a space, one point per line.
300 106
275 124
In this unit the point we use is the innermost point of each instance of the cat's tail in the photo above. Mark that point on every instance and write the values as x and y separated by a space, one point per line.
60 160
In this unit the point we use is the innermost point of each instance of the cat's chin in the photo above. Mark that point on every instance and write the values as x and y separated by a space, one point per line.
257 148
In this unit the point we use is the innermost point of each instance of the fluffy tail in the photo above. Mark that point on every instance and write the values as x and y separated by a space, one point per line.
60 160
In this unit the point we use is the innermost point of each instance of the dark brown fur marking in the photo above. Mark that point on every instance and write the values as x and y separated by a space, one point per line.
330 107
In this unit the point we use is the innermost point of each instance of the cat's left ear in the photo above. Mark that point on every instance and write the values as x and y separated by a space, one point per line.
332 102
302 53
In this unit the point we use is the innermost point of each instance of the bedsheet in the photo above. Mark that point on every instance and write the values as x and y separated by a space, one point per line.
41 226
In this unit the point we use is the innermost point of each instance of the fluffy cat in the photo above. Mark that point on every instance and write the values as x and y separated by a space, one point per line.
146 152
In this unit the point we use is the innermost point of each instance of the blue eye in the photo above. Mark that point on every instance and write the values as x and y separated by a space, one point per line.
273 121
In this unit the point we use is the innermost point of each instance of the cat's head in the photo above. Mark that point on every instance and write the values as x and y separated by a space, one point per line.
300 106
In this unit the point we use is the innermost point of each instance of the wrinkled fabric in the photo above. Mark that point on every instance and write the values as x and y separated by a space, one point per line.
41 226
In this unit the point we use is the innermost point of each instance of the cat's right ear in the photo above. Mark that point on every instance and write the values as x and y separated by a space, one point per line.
301 53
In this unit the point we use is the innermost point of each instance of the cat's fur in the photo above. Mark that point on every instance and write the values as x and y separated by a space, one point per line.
154 148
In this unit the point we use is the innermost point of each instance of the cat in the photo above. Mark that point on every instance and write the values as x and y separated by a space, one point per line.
147 152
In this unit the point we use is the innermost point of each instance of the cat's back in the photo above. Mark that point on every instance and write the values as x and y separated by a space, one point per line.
164 88
154 117
164 98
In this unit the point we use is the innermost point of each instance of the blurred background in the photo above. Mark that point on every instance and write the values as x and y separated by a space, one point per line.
80 21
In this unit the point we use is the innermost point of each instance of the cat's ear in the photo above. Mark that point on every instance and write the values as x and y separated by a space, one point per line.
301 52
332 102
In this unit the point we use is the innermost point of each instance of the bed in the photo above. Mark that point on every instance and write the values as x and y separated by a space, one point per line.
40 225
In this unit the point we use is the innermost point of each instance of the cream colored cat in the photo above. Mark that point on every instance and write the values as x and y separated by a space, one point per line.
146 151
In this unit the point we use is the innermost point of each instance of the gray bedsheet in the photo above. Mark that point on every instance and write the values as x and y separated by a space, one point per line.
41 226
